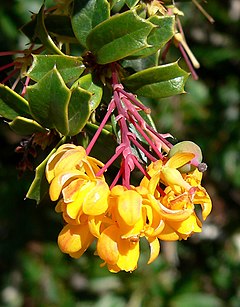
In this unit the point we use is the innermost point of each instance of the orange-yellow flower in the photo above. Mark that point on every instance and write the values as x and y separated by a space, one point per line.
181 194
133 216
84 196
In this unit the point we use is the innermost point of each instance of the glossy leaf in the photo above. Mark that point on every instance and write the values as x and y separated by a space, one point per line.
12 104
39 186
89 83
86 15
119 37
131 3
48 101
159 36
59 25
158 82
25 126
141 63
78 110
69 67
42 34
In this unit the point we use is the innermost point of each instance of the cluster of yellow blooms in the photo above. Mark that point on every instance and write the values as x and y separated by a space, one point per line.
162 207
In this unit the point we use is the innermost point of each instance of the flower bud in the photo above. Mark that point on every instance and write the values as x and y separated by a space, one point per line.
187 146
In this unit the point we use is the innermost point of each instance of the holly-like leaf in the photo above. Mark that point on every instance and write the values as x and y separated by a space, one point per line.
141 63
159 36
59 25
69 67
131 3
78 110
91 84
42 33
158 82
119 37
12 104
86 15
25 126
48 101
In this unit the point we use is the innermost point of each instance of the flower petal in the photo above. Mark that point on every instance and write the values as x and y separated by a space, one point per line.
186 227
96 200
129 207
64 160
154 249
59 181
107 247
74 238
128 255
168 234
173 178
202 198
179 159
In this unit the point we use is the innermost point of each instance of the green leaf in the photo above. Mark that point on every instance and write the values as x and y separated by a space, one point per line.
131 3
158 82
119 37
25 126
91 84
105 145
86 15
42 33
48 101
78 110
142 63
12 104
69 67
59 25
159 36
39 186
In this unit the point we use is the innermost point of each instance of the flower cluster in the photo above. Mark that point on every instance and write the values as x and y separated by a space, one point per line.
118 217
162 206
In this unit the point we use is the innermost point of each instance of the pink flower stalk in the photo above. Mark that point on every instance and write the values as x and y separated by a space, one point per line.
126 108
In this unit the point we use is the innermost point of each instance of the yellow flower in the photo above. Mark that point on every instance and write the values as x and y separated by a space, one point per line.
72 174
133 216
75 239
162 207
87 196
118 254
176 204
70 157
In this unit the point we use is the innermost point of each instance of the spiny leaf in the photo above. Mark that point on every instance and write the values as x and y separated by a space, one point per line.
119 37
69 67
158 82
86 15
48 101
42 34
159 36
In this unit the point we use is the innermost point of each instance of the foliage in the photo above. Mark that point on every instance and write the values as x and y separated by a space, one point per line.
208 271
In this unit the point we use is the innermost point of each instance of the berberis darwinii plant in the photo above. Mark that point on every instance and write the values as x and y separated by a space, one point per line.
115 178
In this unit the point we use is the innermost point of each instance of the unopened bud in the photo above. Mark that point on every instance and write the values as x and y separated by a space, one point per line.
202 167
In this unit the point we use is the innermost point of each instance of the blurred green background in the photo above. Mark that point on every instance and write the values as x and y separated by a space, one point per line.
201 272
